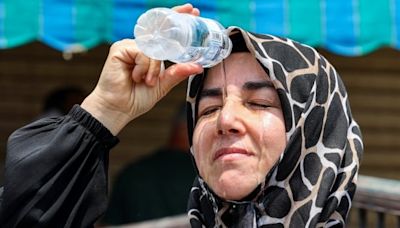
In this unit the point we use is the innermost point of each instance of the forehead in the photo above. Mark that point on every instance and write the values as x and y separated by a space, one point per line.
238 67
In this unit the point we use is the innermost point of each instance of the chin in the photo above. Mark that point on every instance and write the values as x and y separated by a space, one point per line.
229 195
230 186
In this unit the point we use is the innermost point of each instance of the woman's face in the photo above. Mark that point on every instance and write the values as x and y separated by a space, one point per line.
240 132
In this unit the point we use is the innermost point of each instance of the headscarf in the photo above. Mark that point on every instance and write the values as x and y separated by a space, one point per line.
314 180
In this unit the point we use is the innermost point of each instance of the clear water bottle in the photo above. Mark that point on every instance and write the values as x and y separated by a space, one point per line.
164 34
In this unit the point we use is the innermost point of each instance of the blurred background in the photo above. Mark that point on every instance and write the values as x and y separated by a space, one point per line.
51 44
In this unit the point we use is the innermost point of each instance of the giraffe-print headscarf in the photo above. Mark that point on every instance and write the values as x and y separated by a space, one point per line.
314 180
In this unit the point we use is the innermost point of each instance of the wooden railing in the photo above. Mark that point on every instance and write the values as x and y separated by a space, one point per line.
380 196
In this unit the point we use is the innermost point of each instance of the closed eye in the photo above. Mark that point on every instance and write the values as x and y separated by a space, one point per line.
258 105
209 110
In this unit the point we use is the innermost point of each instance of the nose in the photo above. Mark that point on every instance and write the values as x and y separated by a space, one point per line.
230 119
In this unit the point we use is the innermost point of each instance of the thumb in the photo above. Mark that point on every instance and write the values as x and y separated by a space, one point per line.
176 73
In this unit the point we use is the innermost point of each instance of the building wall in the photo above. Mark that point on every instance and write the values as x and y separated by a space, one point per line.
29 72
373 84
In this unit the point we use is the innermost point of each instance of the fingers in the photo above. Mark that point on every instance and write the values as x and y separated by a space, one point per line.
124 49
187 8
177 73
142 64
186 69
141 68
153 73
146 70
195 12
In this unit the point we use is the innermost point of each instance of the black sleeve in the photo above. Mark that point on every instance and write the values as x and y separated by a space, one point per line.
56 172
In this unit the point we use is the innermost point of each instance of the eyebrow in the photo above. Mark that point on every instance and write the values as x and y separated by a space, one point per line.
214 92
251 85
258 85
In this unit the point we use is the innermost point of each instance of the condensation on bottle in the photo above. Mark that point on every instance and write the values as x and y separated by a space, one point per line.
164 34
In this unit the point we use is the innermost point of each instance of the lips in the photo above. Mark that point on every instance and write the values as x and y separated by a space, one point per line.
227 151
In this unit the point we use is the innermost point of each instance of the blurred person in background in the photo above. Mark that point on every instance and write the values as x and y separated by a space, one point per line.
60 100
157 185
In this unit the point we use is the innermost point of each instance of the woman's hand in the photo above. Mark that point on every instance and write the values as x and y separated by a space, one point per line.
131 84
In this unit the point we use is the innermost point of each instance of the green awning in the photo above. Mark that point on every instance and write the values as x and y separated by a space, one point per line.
346 27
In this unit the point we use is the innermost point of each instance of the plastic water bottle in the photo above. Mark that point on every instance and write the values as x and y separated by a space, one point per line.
164 34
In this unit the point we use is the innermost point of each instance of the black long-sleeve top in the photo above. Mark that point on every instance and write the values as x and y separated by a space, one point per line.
56 172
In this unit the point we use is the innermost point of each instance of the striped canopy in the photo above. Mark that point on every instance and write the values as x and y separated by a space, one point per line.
345 27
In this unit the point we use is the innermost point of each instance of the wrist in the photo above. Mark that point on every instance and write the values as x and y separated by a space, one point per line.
111 118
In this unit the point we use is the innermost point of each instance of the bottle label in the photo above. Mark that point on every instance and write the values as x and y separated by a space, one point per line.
215 32
207 42
207 33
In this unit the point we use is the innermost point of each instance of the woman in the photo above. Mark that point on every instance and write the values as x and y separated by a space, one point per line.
273 138
271 133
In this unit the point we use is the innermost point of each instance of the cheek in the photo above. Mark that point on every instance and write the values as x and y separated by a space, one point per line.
273 133
202 137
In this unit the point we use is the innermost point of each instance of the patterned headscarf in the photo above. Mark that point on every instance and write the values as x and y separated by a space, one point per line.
314 180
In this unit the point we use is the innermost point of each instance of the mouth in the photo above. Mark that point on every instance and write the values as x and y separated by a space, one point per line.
231 152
